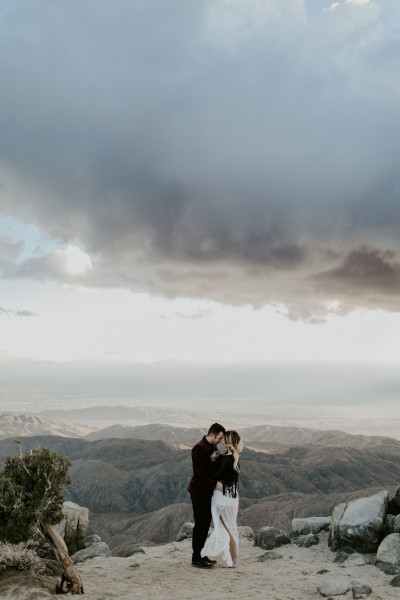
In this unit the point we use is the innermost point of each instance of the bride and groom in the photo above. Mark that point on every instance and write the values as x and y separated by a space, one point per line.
213 490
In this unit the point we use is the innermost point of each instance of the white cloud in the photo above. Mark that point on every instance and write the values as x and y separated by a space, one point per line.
73 261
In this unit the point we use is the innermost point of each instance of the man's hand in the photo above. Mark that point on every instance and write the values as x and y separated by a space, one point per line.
214 455
219 486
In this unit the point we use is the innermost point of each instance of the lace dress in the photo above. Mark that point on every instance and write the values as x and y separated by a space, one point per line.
224 510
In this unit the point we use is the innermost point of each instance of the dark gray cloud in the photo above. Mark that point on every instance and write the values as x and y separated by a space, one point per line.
227 150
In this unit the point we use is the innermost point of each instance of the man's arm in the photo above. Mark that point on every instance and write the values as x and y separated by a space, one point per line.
199 459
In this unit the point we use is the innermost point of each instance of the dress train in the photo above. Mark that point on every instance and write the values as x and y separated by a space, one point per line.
226 508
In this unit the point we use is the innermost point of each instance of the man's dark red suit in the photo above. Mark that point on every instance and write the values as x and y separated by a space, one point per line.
202 482
201 488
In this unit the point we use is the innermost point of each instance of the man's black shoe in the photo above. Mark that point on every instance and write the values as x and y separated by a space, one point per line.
209 560
201 564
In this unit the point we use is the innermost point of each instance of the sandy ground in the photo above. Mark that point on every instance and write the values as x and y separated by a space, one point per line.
165 572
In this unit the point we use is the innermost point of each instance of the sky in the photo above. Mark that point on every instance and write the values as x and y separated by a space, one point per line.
211 181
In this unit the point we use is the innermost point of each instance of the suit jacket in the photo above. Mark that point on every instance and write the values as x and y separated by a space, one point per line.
202 482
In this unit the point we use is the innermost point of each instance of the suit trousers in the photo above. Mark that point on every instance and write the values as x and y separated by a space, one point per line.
202 521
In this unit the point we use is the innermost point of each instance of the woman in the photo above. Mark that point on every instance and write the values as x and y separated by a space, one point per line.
224 538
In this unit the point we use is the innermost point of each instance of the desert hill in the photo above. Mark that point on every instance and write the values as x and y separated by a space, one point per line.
263 435
13 424
132 415
154 431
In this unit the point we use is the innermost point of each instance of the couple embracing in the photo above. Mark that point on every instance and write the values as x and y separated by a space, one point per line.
214 492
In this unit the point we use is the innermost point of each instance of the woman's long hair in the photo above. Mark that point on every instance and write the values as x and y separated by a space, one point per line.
235 445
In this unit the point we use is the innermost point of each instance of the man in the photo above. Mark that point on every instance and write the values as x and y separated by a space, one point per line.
201 488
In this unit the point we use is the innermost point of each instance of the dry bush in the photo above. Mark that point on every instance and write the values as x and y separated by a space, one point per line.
20 557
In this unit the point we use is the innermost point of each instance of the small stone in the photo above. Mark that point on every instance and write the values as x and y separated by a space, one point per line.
357 560
185 532
334 587
322 572
245 531
388 568
270 556
395 582
340 557
92 539
299 540
360 588
311 540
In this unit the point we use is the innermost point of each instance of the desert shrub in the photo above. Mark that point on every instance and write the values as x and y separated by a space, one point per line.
20 557
31 493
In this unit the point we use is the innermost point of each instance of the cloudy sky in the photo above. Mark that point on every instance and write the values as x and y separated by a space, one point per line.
206 180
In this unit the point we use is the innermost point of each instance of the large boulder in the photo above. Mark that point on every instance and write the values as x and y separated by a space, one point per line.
388 554
74 526
271 537
359 525
310 525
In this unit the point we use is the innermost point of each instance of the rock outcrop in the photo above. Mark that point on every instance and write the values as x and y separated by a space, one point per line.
359 525
74 526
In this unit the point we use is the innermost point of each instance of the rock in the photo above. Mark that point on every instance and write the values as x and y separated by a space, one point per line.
334 587
311 540
92 539
271 537
74 526
322 572
395 582
340 557
310 525
359 524
334 537
393 524
360 588
100 549
127 549
388 554
246 532
358 560
185 532
299 540
270 556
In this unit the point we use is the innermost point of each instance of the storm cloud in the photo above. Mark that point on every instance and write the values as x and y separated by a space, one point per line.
234 150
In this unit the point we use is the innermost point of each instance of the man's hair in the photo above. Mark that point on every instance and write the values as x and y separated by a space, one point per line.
216 428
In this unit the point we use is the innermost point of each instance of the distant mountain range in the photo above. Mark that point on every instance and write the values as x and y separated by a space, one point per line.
262 437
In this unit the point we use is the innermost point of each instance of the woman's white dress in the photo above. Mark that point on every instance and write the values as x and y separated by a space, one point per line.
223 508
